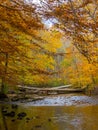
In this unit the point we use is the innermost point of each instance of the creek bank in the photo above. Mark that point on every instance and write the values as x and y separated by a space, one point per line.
49 99
2 95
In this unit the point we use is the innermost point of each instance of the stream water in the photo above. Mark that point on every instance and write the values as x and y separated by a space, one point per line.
70 112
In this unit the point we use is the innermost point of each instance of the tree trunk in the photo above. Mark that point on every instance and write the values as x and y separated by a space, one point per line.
5 72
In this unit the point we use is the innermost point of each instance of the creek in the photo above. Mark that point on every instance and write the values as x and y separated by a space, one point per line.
62 112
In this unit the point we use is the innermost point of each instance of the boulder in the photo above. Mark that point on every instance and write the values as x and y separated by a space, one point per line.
3 96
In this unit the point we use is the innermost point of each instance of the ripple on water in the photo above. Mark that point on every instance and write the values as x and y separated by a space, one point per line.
66 100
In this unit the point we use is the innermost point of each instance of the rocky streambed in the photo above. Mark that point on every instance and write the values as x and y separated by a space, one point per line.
61 100
59 112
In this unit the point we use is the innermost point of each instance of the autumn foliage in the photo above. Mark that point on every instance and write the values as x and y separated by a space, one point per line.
33 54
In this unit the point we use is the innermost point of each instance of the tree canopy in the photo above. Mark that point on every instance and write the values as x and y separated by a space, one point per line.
78 20
31 53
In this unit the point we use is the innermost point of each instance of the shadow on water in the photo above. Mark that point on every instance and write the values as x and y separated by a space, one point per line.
4 125
72 117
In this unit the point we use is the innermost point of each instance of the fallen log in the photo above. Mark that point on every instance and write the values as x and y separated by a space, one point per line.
61 89
26 87
36 88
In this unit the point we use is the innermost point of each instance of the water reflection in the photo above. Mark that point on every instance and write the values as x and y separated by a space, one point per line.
13 117
3 120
